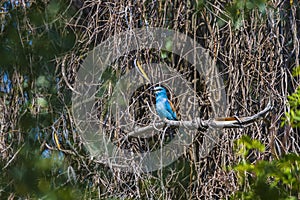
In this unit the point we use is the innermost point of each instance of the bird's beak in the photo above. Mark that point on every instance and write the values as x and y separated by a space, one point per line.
157 89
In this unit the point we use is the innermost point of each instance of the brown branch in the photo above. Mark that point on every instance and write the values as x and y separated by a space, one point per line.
14 156
231 122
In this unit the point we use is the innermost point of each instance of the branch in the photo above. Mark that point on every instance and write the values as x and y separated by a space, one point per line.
227 122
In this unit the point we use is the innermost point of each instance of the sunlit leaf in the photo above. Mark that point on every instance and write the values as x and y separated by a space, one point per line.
42 102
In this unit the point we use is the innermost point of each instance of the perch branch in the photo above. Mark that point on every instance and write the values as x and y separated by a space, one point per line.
227 122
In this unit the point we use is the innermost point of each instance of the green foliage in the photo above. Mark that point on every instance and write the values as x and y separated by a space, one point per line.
166 53
239 10
236 12
296 71
245 144
38 177
278 179
30 40
293 116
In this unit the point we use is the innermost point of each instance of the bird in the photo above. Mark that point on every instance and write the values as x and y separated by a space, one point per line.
163 105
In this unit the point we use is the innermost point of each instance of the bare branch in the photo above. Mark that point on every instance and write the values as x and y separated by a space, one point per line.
228 122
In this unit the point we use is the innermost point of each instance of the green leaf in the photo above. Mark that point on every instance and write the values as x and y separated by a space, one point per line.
53 9
244 167
42 102
169 45
164 54
42 82
250 5
297 117
296 71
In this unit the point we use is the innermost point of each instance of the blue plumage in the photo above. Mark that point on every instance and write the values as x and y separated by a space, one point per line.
164 106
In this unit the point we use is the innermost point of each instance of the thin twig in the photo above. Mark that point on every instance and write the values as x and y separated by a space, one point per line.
7 164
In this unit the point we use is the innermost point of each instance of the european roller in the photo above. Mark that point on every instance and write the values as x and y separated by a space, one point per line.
164 106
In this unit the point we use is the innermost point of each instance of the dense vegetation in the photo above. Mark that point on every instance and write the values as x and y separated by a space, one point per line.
255 45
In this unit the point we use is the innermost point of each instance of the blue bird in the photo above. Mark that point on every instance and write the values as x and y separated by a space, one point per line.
164 106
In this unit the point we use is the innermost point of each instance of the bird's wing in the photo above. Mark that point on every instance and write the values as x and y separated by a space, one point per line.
171 109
